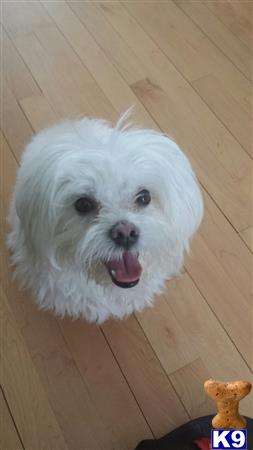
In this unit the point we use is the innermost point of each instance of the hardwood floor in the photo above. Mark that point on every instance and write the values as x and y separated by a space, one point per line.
186 65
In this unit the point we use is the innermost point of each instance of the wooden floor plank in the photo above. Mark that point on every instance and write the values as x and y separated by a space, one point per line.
100 66
21 18
33 415
39 112
108 39
236 15
225 40
203 57
180 111
106 385
17 75
192 52
145 375
167 336
63 79
8 175
227 108
232 194
61 380
227 247
228 303
14 124
188 382
247 236
200 331
9 439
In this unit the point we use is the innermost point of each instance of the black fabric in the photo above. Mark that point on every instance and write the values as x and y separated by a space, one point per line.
182 438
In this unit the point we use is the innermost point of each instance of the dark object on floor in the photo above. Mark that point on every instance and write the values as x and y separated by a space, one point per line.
182 438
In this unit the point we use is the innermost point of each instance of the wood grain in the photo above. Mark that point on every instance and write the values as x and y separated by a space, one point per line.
14 124
33 415
226 41
39 112
233 195
98 62
228 109
20 18
144 374
188 381
60 74
176 108
9 439
105 384
237 17
247 236
184 308
17 75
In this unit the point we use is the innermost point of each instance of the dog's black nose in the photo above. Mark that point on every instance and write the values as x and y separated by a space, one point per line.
124 234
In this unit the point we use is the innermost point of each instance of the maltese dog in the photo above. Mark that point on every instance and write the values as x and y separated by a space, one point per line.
101 216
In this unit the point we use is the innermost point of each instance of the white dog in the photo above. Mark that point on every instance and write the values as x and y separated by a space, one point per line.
101 216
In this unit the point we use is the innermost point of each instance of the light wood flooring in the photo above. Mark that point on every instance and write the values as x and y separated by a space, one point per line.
186 65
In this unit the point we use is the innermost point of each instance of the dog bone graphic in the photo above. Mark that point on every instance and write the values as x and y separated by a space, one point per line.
227 396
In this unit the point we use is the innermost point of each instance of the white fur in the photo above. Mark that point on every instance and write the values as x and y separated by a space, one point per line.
59 254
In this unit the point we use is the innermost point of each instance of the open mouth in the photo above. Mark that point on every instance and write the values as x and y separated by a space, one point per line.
125 272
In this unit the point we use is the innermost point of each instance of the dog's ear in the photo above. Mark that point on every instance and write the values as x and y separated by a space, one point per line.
34 198
167 170
184 203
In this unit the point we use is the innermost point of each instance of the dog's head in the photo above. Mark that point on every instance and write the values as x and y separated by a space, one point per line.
113 202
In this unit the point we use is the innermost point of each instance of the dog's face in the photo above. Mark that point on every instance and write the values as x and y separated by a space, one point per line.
116 204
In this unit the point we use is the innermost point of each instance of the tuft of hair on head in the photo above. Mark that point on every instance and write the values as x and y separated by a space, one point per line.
123 123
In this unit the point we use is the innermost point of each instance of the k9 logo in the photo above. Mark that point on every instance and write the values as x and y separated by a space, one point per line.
229 439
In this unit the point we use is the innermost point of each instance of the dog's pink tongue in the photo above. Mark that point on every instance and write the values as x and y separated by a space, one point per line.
126 269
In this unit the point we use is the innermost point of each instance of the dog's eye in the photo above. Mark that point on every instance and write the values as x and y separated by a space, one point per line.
84 205
143 198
